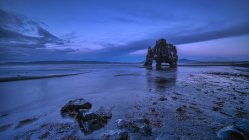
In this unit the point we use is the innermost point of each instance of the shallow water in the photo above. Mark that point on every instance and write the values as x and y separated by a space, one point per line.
118 87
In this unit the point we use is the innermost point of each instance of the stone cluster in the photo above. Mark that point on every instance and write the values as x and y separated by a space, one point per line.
87 121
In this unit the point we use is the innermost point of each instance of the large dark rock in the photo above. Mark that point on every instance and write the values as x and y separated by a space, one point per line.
73 107
90 122
163 52
87 121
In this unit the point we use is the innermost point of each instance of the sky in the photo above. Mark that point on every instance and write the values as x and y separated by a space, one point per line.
122 30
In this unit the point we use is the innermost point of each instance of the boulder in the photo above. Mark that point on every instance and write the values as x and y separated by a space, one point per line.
73 107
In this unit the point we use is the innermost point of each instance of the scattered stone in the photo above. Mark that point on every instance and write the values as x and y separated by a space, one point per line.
45 135
154 103
122 123
153 110
162 98
174 98
241 114
195 109
126 128
216 109
146 130
180 110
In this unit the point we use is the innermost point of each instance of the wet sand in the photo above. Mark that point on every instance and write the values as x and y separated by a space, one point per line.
183 103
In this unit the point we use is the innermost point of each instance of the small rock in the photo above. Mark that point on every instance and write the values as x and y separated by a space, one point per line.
122 135
234 132
174 98
146 130
142 121
162 98
180 109
122 123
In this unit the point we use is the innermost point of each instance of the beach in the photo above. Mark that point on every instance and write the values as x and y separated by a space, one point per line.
187 102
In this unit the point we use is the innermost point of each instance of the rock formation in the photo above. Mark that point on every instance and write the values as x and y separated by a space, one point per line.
163 52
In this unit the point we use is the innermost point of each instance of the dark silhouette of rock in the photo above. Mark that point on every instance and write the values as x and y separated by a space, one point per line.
162 53
87 121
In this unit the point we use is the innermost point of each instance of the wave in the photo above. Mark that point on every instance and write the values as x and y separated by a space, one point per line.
19 78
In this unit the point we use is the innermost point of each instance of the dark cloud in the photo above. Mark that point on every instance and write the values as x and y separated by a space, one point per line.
22 38
15 53
125 20
112 50
199 35
17 30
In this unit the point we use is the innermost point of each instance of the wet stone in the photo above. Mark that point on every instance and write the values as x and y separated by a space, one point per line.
122 135
138 126
122 123
162 98
238 131
88 121
73 107
180 110
146 130
93 121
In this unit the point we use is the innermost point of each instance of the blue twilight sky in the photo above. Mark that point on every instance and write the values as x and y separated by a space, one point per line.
121 30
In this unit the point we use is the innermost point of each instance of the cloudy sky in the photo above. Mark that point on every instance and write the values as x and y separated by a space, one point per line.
115 30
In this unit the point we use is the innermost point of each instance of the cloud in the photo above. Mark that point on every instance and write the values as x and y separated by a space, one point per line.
113 50
23 39
18 30
126 20
200 35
